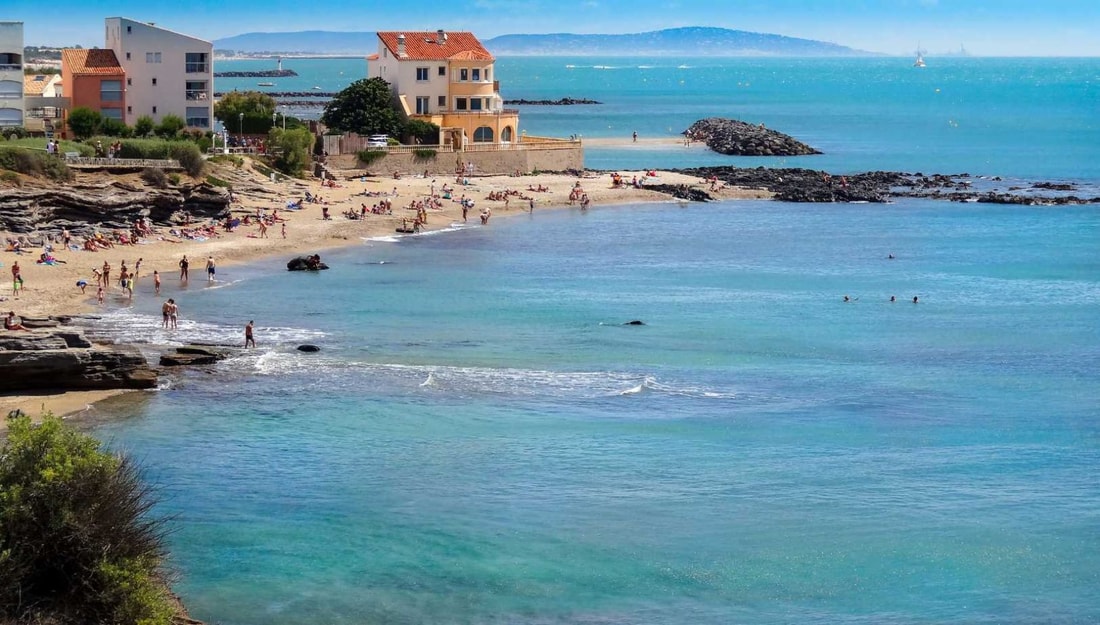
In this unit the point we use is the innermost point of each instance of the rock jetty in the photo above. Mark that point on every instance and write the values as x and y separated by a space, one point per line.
64 360
733 137
561 102
267 73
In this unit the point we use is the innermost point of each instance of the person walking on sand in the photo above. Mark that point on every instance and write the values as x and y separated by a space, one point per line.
183 268
263 229
16 278
210 268
284 229
249 341
156 281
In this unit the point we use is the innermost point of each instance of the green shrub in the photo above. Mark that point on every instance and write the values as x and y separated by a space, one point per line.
34 163
174 178
155 177
144 126
217 182
424 154
368 157
170 126
113 128
84 122
189 157
237 161
10 177
77 541
15 132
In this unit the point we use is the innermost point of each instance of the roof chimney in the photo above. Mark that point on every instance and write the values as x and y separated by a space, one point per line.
401 45
440 37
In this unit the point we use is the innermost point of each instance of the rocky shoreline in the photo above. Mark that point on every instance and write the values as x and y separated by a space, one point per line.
815 186
561 102
267 73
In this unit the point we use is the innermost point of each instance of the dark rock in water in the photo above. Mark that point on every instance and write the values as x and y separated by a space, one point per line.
308 348
306 263
561 102
193 355
807 185
66 361
734 137
681 191
266 73
635 322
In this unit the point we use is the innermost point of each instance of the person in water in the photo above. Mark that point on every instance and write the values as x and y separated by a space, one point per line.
249 341
915 300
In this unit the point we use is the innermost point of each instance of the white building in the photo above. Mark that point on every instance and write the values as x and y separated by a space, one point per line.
11 74
167 73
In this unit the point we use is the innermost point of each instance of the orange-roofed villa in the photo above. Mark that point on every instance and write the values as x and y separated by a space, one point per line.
446 78
94 78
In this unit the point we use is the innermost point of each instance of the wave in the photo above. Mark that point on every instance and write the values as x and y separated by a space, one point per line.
387 238
126 326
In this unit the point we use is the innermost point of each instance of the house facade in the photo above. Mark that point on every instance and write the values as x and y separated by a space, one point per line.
93 78
448 79
166 73
43 103
11 74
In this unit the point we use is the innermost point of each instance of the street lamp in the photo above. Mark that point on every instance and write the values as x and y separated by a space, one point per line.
273 114
241 117
284 118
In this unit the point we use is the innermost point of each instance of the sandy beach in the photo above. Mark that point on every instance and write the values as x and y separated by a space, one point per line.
51 289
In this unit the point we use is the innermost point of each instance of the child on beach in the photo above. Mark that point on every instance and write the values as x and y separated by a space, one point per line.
99 294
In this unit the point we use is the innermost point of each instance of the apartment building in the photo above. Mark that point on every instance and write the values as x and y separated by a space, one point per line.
93 78
43 103
11 74
446 78
166 73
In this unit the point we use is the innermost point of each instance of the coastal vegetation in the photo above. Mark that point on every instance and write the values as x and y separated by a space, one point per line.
368 157
33 163
78 542
292 149
364 107
251 113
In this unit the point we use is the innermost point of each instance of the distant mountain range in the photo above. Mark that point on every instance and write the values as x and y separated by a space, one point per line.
690 41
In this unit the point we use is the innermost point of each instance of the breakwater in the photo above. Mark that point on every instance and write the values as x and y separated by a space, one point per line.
267 73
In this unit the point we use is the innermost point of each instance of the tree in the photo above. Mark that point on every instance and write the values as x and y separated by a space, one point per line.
293 148
77 542
143 127
84 122
170 126
113 128
256 108
421 131
365 107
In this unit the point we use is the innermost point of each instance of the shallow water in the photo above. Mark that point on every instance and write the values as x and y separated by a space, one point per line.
481 440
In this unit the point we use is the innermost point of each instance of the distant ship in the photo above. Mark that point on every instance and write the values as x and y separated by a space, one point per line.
265 84
920 58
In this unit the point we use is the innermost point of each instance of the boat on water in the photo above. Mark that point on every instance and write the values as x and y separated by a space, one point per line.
920 61
265 84
316 88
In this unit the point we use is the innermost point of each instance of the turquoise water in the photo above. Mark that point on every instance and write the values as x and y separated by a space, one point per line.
481 440
998 117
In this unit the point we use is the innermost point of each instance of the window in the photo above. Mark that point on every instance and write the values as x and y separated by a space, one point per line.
421 73
196 63
154 110
110 90
154 82
475 104
506 134
483 135
422 105
129 82
463 74
476 75
156 57
127 56
111 113
198 116
152 57
196 90
442 102
442 70
460 104
129 109
129 29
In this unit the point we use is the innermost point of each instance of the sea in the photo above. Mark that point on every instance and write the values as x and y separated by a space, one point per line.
485 438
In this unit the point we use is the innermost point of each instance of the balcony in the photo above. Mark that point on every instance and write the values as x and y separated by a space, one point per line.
10 67
197 95
197 68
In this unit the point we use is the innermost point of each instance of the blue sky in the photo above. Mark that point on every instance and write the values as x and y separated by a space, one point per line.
985 27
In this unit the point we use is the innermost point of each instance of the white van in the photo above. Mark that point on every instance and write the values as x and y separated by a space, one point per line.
378 141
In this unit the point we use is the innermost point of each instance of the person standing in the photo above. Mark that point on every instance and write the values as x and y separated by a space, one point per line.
16 278
249 341
106 275
635 136
173 313
284 229
156 281
210 269
165 311
183 268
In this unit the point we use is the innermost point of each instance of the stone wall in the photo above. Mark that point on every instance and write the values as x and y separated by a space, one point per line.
490 162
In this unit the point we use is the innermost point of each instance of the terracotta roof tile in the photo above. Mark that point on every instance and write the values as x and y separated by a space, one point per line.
96 61
423 46
35 84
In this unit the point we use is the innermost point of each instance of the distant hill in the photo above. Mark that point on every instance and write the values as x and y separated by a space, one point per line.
690 41
302 42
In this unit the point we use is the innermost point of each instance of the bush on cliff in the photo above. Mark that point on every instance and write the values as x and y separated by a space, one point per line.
32 163
77 542
292 148
186 152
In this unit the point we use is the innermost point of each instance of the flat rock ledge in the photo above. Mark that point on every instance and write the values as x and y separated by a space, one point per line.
733 137
64 360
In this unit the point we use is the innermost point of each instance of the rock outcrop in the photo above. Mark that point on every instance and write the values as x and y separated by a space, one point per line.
193 355
64 360
306 263
113 205
730 136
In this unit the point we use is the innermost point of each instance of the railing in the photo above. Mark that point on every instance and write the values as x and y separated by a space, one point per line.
482 113
10 66
198 94
197 68
11 95
90 161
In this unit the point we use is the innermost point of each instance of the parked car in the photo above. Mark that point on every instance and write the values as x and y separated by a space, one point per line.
378 141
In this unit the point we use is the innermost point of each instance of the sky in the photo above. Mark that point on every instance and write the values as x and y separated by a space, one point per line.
984 27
